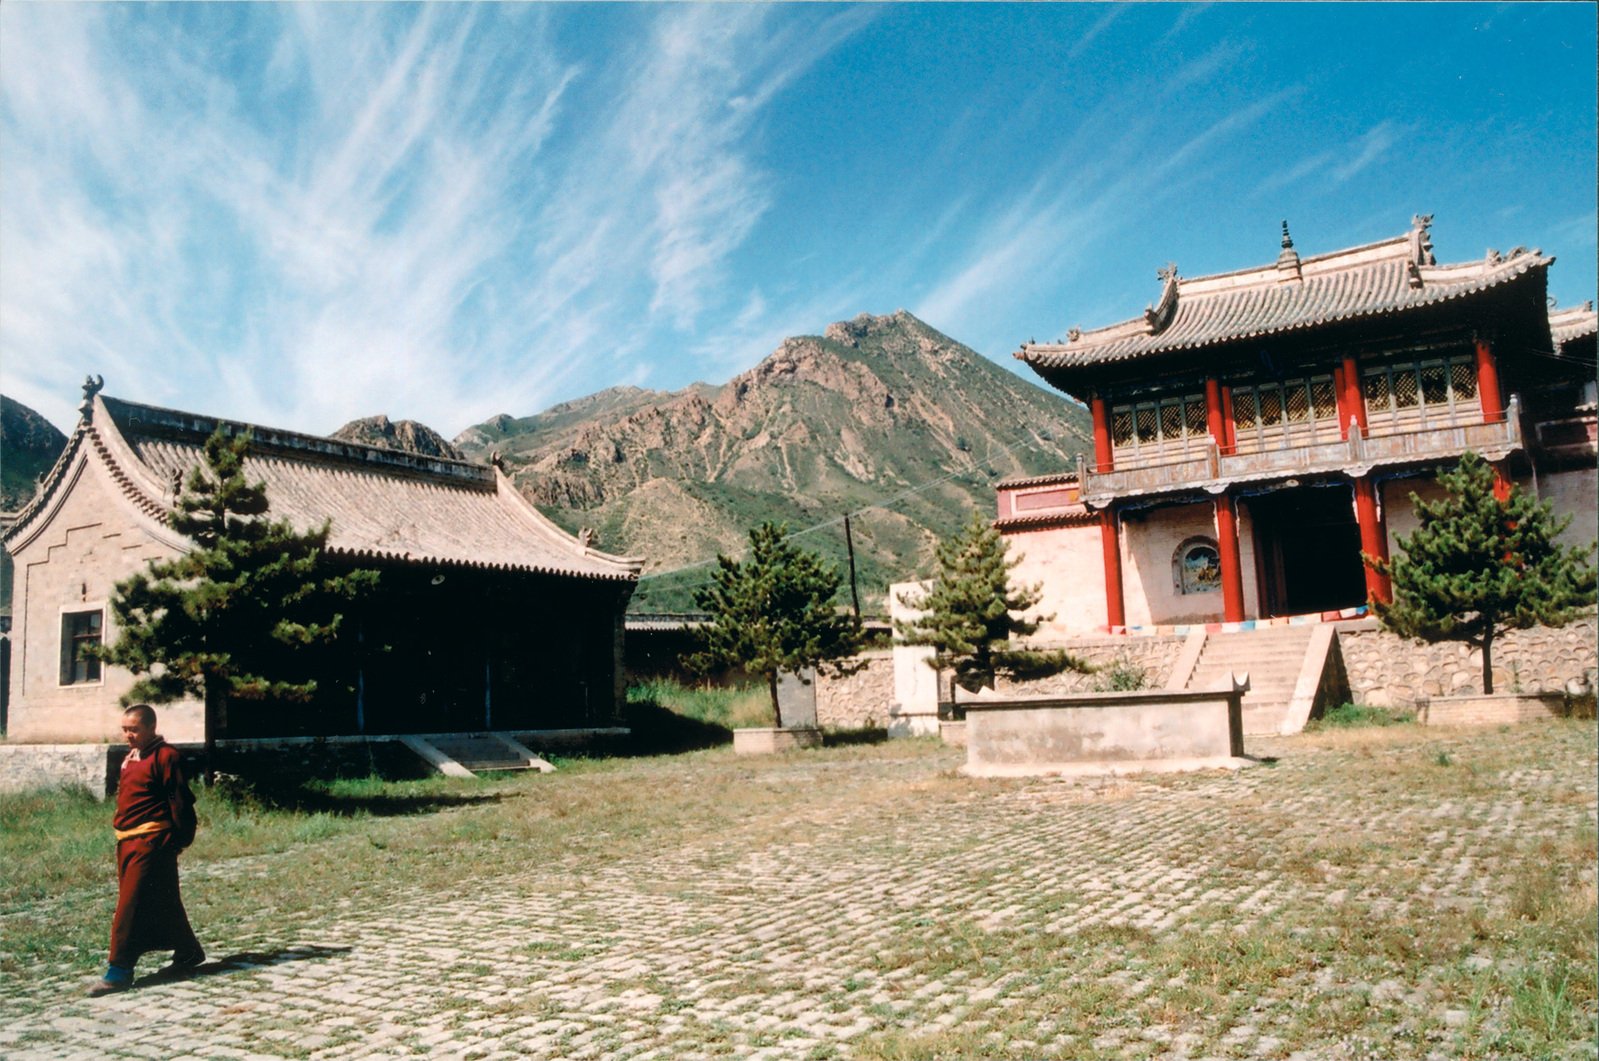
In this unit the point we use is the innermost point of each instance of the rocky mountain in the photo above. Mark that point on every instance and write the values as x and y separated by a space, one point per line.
407 436
883 417
29 445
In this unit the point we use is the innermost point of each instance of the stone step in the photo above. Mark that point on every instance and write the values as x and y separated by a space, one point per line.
471 753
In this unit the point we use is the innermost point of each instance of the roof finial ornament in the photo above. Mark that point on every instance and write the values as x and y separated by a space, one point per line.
1288 258
1421 240
497 460
1167 273
1073 334
91 387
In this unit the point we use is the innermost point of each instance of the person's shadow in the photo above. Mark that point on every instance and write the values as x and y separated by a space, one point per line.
246 960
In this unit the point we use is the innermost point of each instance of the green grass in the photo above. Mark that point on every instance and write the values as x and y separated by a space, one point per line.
1352 716
728 707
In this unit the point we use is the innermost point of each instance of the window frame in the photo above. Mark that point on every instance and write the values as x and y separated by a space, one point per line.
1179 568
70 658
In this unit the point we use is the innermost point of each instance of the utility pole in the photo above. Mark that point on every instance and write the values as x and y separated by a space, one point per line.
854 594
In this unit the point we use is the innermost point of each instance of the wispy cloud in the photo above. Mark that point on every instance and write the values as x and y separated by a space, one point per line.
366 215
1336 166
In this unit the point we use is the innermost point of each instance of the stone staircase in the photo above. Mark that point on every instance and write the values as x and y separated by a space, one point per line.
1274 658
468 754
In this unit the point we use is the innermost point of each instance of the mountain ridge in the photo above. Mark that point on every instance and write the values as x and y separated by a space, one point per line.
884 418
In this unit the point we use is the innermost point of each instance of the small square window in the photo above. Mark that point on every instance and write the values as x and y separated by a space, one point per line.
80 631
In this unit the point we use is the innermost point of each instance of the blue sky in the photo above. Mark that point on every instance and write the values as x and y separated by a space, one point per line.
299 214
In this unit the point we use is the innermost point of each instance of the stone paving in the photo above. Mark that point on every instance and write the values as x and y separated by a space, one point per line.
843 931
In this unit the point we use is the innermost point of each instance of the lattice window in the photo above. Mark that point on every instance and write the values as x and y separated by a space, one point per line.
1416 395
1163 429
1298 404
1244 415
1377 391
1171 421
1406 393
1323 399
1271 408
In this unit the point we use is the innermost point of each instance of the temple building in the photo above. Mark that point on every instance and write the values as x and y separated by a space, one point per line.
487 616
1256 431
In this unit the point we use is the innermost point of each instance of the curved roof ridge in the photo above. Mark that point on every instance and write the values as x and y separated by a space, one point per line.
1382 278
411 511
355 454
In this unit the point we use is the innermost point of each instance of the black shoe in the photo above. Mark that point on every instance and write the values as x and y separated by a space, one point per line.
182 964
108 987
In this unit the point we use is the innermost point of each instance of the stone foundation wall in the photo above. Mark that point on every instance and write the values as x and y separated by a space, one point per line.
1386 670
1154 655
32 767
1492 710
860 701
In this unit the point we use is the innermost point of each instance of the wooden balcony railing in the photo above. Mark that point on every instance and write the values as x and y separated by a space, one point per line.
1356 455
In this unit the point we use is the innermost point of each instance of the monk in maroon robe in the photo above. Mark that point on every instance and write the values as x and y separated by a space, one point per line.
154 821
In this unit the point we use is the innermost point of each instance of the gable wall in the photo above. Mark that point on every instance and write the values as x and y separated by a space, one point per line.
73 564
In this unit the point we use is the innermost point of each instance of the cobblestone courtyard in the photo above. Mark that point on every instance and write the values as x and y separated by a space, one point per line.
1330 903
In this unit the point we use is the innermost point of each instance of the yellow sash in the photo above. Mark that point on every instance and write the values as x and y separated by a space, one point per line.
142 829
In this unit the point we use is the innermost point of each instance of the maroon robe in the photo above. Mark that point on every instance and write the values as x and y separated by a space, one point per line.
150 913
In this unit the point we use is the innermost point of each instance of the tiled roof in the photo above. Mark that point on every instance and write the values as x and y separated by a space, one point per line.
1566 325
1389 277
384 505
1047 479
1074 516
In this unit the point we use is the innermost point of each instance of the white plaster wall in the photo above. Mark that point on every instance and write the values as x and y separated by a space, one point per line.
1148 545
1069 562
73 564
914 707
1570 493
1575 494
1398 512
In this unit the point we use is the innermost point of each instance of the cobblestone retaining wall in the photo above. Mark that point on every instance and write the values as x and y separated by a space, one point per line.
1386 670
30 767
1154 655
862 700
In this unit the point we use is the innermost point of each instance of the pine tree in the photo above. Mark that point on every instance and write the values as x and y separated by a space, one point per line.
774 614
1478 564
972 614
231 617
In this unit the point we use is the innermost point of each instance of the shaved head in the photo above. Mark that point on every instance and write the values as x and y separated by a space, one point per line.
144 713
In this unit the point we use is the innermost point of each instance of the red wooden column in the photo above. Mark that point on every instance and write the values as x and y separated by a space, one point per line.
1104 459
1215 419
1232 573
1493 407
1351 399
1501 481
1373 539
1115 612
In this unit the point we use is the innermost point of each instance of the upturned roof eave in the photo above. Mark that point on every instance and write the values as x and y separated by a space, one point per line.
1052 360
